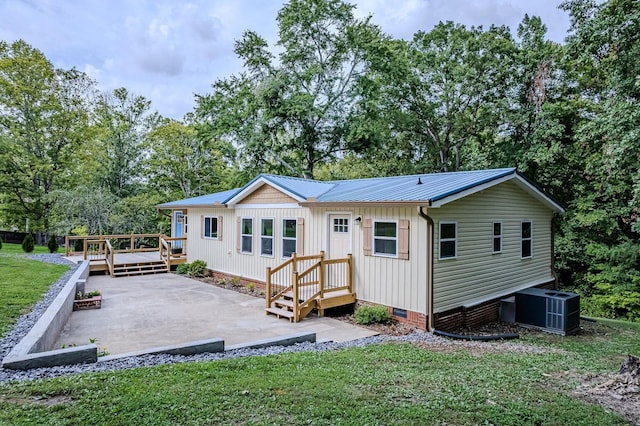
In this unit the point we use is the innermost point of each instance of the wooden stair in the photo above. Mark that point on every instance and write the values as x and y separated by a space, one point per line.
283 307
139 268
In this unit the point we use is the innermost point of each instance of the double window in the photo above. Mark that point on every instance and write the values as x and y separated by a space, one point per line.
210 227
289 237
266 237
526 239
385 238
448 240
246 235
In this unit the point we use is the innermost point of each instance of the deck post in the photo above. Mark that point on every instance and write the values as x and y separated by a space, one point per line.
268 287
296 298
132 246
322 273
350 272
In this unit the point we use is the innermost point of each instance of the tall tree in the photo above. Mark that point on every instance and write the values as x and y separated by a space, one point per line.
302 97
122 121
447 86
182 164
43 118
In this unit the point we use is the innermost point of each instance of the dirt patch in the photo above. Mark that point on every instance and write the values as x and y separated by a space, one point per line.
393 328
45 400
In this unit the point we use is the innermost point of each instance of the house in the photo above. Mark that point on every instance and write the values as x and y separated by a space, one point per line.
439 250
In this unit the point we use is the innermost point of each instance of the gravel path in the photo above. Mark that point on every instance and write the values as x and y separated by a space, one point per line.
25 322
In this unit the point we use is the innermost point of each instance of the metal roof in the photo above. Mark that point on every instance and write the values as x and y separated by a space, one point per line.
203 200
435 189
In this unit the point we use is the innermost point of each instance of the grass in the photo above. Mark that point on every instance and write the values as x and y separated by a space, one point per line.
378 384
23 282
10 248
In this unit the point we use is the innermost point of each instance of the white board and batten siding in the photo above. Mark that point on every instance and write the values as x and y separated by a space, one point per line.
476 274
380 279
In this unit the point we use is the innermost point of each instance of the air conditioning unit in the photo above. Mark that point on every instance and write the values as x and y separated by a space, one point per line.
552 311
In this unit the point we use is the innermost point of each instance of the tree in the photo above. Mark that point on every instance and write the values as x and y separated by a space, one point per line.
298 103
446 88
122 120
43 118
184 164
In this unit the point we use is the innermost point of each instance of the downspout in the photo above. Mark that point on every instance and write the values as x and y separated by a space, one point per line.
430 225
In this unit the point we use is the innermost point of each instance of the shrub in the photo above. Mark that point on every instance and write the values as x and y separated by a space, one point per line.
53 244
198 268
28 244
183 269
78 245
251 287
0 243
372 315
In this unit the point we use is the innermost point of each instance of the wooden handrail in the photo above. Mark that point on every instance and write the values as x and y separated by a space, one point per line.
109 255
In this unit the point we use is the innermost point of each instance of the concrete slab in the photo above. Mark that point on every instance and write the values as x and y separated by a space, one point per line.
166 309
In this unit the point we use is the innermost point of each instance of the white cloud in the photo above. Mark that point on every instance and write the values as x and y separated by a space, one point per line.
166 51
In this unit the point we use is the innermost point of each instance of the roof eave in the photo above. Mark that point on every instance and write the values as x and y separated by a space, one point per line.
365 203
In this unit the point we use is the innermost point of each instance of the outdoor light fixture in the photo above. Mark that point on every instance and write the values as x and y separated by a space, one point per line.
358 220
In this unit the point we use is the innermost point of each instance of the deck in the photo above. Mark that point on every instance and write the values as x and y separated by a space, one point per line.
138 257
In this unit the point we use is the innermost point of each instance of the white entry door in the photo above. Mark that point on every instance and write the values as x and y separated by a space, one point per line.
339 235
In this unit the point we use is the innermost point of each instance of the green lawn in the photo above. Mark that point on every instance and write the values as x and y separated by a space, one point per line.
379 384
22 283
390 383
9 248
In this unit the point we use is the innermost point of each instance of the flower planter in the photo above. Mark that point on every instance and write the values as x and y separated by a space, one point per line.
90 303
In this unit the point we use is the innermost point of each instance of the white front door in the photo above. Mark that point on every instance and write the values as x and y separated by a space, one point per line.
339 236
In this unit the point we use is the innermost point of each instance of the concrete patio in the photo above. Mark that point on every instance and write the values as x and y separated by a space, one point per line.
157 310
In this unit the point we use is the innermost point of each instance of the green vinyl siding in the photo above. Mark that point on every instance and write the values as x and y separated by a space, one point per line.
477 274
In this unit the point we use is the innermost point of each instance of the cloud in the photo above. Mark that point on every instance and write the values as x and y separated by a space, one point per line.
162 62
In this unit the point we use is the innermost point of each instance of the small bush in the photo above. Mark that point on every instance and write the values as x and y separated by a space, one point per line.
183 269
372 315
28 244
251 287
53 244
0 243
78 245
198 268
235 282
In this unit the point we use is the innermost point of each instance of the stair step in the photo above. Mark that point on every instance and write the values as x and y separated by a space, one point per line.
284 302
280 313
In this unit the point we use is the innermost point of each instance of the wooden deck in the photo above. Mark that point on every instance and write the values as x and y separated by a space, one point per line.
135 259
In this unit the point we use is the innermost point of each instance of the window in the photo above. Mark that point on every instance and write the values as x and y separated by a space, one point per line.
210 227
448 240
385 238
289 240
341 225
247 235
526 238
497 237
266 237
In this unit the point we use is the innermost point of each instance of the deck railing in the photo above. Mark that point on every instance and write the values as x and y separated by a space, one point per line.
308 278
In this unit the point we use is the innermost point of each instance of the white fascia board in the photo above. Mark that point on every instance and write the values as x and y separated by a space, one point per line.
257 184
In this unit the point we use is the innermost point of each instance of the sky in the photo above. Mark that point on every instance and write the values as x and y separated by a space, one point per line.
169 50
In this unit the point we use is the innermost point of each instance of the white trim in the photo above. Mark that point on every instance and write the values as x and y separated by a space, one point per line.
494 236
273 237
530 239
373 237
242 234
268 206
257 184
440 239
204 220
518 180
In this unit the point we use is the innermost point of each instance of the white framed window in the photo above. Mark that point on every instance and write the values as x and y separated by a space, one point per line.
385 238
526 239
448 240
266 237
246 227
497 237
289 237
341 225
210 227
